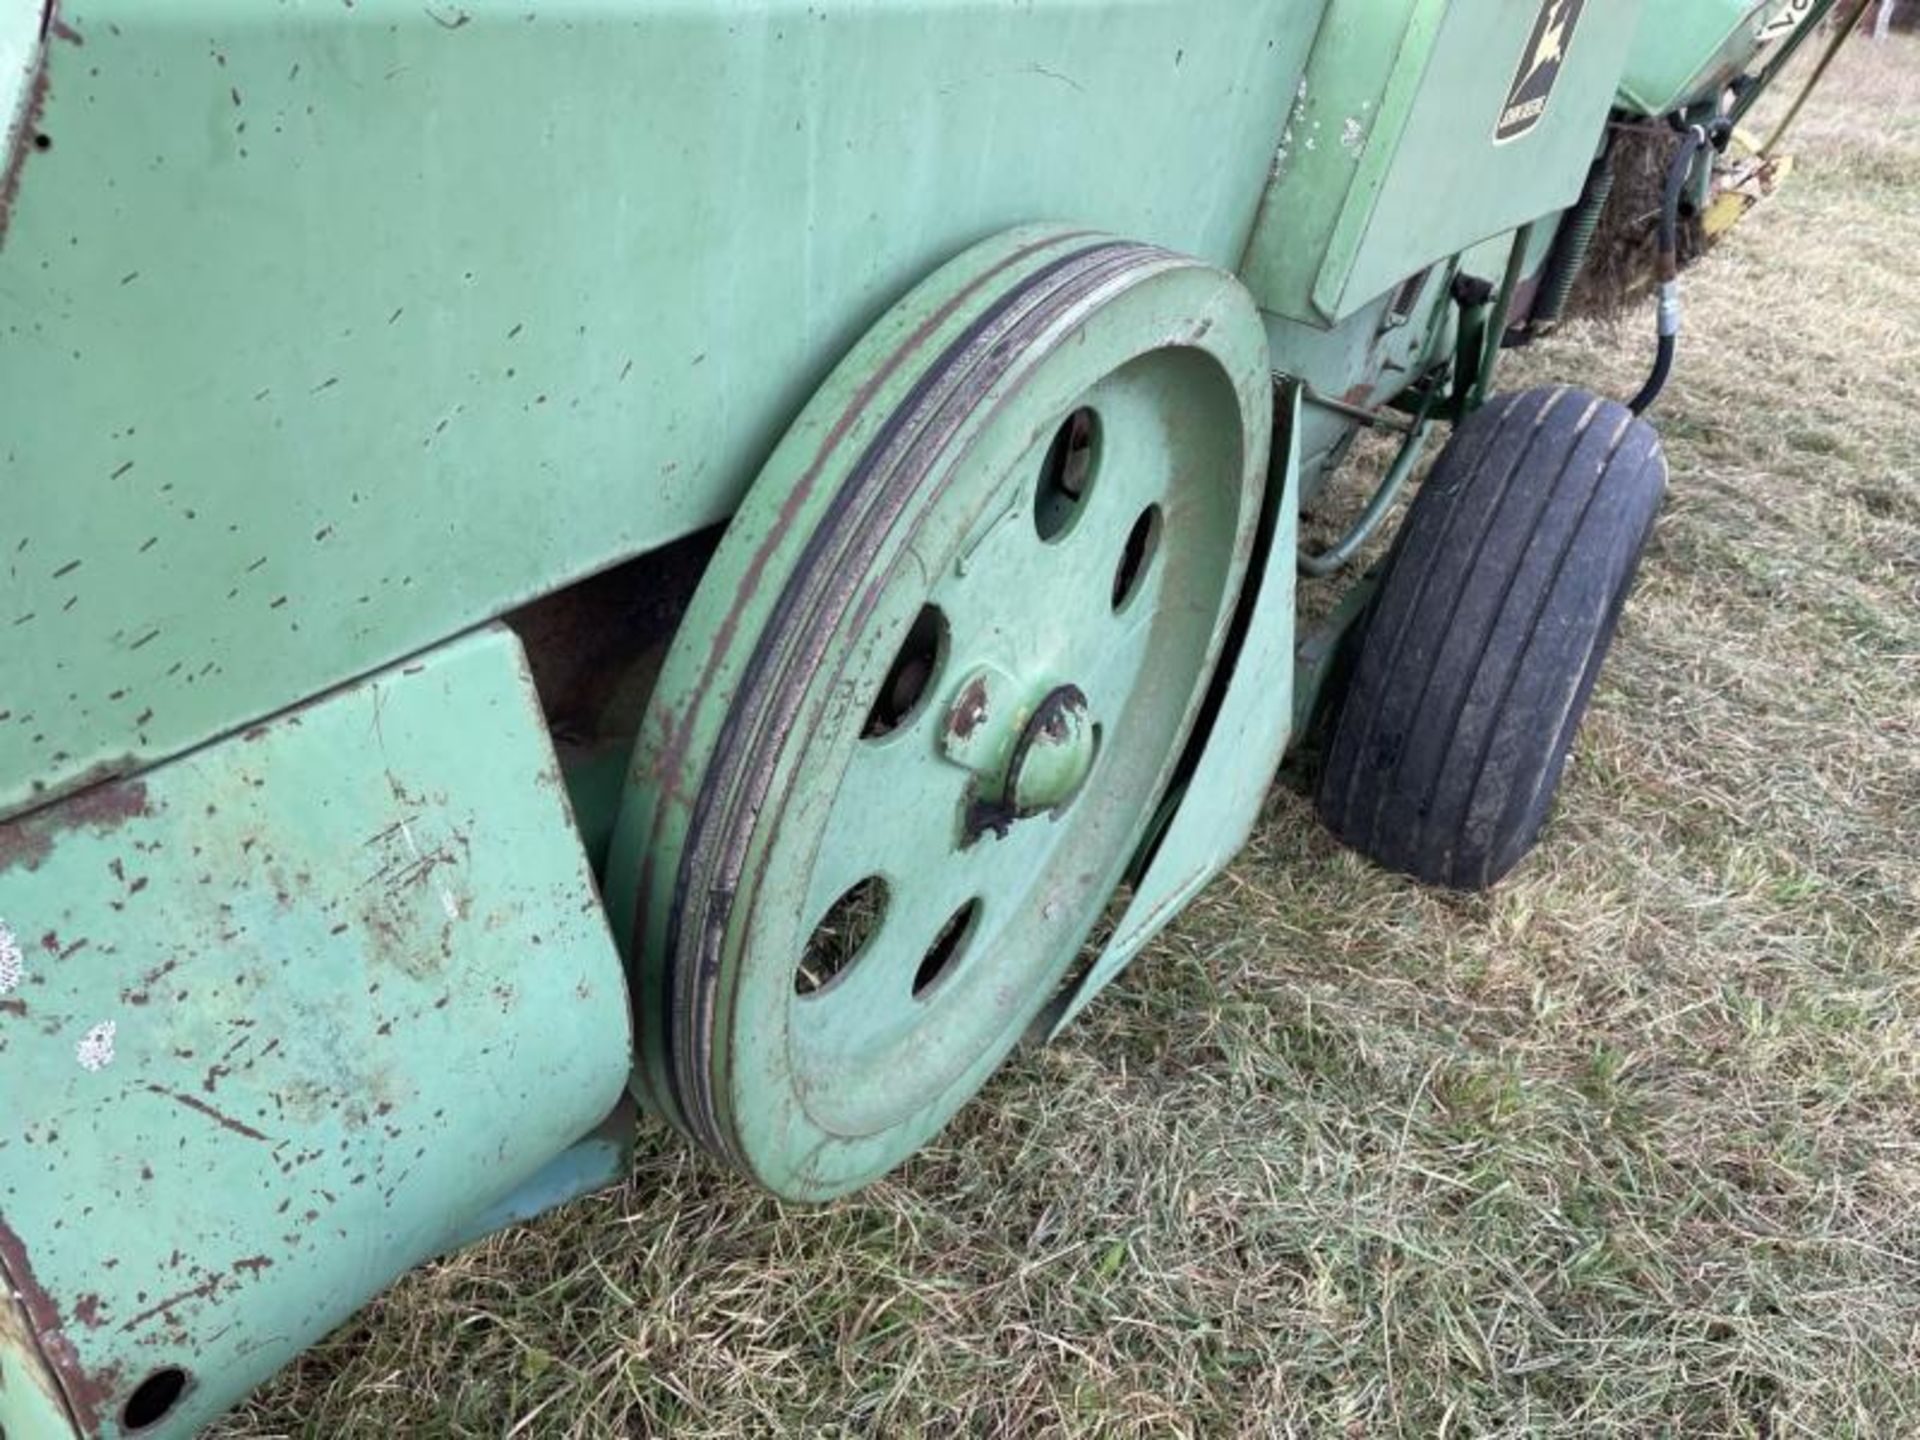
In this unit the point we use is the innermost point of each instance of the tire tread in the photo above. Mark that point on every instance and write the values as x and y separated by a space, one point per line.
1499 602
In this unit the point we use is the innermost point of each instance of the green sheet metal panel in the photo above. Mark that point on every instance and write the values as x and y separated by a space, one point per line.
283 1017
1689 52
330 330
1396 154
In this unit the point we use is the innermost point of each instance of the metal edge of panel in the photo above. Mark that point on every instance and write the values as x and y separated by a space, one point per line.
60 1376
38 1396
1397 101
24 31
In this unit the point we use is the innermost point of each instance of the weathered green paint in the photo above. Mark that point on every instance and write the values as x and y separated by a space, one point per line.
1389 161
331 330
1364 361
284 1017
1684 54
760 794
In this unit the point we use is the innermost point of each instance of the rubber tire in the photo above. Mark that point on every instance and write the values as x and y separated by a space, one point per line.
1498 605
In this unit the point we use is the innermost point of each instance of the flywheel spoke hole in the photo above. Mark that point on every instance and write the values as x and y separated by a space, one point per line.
944 954
842 934
1066 476
910 678
1135 560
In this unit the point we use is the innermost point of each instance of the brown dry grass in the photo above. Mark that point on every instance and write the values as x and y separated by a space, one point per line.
1631 1147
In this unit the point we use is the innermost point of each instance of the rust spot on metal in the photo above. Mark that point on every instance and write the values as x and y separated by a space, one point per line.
52 24
969 711
27 840
106 807
86 1310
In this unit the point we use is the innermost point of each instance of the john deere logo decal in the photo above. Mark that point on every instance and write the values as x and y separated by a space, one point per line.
1539 69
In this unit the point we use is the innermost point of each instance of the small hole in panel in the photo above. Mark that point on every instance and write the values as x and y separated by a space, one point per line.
153 1398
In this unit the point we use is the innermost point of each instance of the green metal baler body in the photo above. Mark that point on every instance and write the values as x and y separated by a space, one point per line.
331 334
1684 54
389 321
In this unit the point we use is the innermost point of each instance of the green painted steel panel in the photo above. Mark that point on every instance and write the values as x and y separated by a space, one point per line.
284 1017
331 330
1389 161
1688 52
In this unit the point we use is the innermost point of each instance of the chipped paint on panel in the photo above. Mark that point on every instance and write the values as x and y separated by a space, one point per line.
12 962
95 1050
99 809
265 1058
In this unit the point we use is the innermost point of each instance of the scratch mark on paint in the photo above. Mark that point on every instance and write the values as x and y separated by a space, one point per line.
1064 79
220 1118
423 865
203 1291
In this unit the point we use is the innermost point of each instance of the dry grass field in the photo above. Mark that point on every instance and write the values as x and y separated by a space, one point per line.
1630 1147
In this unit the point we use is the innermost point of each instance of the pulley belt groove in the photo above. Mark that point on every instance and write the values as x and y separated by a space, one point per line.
819 585
862 400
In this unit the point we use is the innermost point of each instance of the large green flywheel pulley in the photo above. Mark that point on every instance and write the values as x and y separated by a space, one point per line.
929 693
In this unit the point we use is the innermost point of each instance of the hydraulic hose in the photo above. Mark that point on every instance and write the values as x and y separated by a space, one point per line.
1662 363
1696 140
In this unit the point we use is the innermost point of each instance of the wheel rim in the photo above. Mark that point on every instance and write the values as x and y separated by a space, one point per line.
872 823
